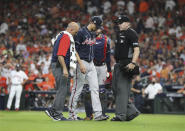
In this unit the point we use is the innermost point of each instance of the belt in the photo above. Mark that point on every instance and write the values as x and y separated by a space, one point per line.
125 61
16 84
96 63
89 61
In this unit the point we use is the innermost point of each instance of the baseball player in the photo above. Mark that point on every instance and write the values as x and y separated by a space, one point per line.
17 79
102 64
84 42
63 62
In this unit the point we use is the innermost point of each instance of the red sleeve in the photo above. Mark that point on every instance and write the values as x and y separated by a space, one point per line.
63 45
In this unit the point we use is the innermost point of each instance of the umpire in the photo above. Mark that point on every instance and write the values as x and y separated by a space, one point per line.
126 55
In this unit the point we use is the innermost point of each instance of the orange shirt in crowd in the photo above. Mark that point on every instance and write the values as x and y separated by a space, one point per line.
46 85
164 73
50 77
3 85
143 6
29 86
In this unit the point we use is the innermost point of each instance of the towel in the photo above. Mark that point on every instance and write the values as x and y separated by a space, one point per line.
73 59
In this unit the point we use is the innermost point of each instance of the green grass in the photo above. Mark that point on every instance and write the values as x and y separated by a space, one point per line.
38 121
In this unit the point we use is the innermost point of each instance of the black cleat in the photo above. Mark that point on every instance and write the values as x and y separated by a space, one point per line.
80 119
131 117
115 119
55 115
107 116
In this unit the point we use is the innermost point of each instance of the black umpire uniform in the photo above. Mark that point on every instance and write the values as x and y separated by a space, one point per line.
126 41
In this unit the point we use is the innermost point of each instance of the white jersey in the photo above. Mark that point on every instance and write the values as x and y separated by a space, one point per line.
17 77
152 90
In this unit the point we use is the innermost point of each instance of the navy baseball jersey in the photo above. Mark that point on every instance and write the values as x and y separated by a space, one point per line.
102 50
84 43
62 48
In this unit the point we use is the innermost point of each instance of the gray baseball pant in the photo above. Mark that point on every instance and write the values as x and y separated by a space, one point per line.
79 80
61 86
121 85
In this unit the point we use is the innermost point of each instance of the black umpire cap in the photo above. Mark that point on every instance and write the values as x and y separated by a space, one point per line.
97 20
121 19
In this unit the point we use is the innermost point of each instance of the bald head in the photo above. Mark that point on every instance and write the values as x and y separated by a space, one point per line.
72 28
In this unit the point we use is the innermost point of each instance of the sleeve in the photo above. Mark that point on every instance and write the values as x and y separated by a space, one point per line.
160 87
147 89
133 38
108 55
78 40
63 45
24 76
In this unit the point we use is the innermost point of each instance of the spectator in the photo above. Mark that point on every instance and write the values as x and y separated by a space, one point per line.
3 91
143 6
3 28
38 79
169 5
152 90
106 7
149 24
131 7
182 90
137 91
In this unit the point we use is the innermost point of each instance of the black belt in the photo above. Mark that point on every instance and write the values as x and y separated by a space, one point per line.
125 61
96 63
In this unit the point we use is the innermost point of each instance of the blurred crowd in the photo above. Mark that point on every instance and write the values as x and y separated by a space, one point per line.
26 29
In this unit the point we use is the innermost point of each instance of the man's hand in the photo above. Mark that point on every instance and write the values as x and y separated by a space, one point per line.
82 68
130 66
65 73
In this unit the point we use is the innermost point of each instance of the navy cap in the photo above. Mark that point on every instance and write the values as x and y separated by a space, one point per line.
97 20
122 18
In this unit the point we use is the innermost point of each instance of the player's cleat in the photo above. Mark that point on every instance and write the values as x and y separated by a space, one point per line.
16 109
7 109
115 119
107 116
55 115
100 118
80 119
131 117
63 119
88 118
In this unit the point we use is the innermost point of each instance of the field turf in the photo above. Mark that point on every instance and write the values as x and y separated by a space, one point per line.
38 121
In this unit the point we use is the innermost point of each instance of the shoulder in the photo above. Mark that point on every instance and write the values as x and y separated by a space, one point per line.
132 32
158 85
82 30
22 72
12 72
108 39
66 36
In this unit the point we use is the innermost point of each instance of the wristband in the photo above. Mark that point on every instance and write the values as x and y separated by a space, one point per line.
134 63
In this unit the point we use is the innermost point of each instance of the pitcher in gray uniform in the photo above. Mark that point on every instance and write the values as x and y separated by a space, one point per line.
84 42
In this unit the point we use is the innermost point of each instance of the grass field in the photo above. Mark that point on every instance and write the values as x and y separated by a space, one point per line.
38 121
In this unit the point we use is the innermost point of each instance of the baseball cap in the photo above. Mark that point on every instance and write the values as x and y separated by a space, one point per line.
122 18
17 66
97 20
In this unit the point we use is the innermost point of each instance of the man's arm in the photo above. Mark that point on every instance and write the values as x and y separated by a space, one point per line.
134 41
107 60
63 65
82 67
135 90
135 54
